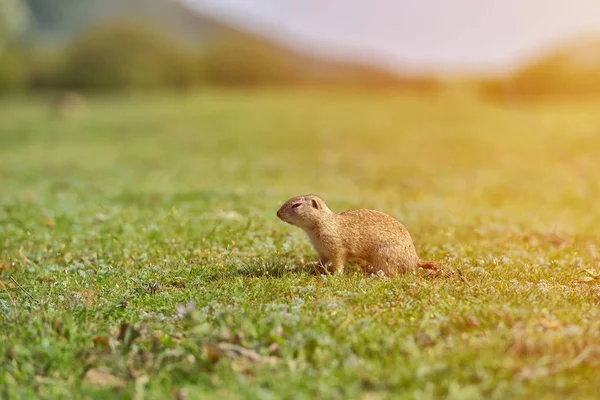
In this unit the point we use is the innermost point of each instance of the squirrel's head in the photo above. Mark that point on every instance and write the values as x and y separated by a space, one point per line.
303 211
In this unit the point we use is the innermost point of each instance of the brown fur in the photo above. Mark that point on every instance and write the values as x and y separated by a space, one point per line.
365 235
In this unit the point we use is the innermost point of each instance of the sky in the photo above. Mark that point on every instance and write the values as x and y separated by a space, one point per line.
442 36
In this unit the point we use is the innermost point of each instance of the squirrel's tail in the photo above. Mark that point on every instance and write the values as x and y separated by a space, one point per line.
436 270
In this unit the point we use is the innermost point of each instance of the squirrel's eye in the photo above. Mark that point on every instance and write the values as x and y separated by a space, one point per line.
296 205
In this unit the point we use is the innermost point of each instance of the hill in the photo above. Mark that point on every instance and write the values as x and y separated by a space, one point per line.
62 20
234 56
569 70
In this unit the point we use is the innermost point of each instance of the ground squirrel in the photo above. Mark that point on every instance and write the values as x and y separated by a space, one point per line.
377 240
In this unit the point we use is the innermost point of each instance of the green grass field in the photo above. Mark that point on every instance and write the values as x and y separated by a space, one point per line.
112 222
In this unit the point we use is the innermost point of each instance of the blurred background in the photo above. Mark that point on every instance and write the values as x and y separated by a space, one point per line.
507 50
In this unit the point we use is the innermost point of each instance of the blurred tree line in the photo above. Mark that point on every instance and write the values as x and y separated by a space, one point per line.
126 55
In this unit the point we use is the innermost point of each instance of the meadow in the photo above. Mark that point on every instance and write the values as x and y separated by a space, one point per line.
141 256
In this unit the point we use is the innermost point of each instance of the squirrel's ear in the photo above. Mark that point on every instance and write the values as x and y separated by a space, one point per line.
316 204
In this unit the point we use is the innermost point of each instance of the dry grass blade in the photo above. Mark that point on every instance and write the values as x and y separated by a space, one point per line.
236 351
25 290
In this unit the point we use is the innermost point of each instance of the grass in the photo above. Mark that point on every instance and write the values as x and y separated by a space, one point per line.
141 256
